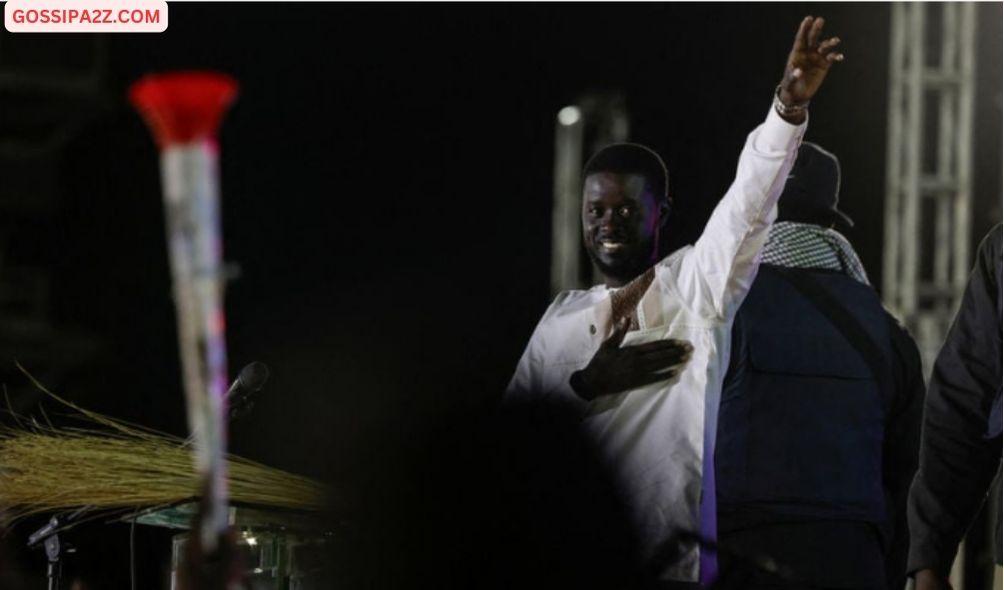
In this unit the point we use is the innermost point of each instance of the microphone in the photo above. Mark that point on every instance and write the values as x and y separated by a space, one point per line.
56 524
248 382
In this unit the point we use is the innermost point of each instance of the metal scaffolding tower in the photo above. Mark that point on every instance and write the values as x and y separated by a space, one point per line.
929 171
929 166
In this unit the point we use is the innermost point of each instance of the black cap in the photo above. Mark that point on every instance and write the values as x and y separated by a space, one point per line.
813 189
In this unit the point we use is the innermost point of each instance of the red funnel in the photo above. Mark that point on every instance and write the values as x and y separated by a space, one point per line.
182 107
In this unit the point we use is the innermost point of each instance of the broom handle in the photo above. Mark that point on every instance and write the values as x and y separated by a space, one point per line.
192 199
183 111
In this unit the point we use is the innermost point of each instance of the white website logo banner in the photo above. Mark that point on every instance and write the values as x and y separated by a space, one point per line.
85 16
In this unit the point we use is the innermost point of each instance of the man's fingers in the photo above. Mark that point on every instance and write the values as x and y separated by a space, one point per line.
617 336
673 351
816 31
678 352
828 45
662 357
661 345
832 57
802 36
644 379
661 365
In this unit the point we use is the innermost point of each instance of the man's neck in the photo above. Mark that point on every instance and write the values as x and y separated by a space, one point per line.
613 282
616 282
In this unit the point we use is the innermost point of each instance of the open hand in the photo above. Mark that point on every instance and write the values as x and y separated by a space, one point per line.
808 63
614 369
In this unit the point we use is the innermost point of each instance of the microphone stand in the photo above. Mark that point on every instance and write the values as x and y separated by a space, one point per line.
48 535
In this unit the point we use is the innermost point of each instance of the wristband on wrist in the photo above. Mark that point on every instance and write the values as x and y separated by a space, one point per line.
786 110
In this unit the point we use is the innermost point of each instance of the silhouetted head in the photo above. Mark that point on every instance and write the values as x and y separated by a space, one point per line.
813 190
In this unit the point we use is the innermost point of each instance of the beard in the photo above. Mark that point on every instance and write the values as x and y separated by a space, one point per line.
623 270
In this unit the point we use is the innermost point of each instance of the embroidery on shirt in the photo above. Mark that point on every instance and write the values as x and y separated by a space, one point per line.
624 301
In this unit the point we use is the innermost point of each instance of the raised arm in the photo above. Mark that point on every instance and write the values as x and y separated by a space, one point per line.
715 275
808 63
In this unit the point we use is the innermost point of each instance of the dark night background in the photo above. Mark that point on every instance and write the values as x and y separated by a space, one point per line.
386 180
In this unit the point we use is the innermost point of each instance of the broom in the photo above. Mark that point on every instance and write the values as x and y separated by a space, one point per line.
106 464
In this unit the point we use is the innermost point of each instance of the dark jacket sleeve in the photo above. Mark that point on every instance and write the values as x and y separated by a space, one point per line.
902 443
958 457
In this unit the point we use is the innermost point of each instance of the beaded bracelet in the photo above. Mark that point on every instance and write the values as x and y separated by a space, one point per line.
787 110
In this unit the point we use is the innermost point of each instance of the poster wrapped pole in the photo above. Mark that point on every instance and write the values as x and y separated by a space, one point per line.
183 111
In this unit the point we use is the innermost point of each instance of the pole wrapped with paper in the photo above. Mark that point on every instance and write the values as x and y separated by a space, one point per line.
183 111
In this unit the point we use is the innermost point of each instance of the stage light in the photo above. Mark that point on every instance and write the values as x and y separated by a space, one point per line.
569 115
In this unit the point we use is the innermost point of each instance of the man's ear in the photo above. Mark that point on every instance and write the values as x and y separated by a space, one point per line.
664 209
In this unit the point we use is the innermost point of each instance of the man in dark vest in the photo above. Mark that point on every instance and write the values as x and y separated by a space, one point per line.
819 421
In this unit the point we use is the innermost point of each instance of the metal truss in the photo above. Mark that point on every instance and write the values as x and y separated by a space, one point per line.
929 167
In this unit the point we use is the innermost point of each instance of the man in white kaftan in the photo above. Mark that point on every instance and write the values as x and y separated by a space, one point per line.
656 434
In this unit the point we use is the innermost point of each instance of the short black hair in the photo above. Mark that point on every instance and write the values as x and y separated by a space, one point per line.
631 158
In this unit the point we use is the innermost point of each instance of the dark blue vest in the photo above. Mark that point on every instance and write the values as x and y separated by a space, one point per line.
802 416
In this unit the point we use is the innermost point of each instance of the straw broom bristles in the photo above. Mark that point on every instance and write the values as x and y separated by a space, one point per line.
123 466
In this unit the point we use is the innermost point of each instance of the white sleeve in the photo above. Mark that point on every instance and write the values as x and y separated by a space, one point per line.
714 276
526 380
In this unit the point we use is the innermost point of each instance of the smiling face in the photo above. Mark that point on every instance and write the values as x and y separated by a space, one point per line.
621 218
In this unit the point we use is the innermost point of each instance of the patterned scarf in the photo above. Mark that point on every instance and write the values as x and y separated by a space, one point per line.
802 245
